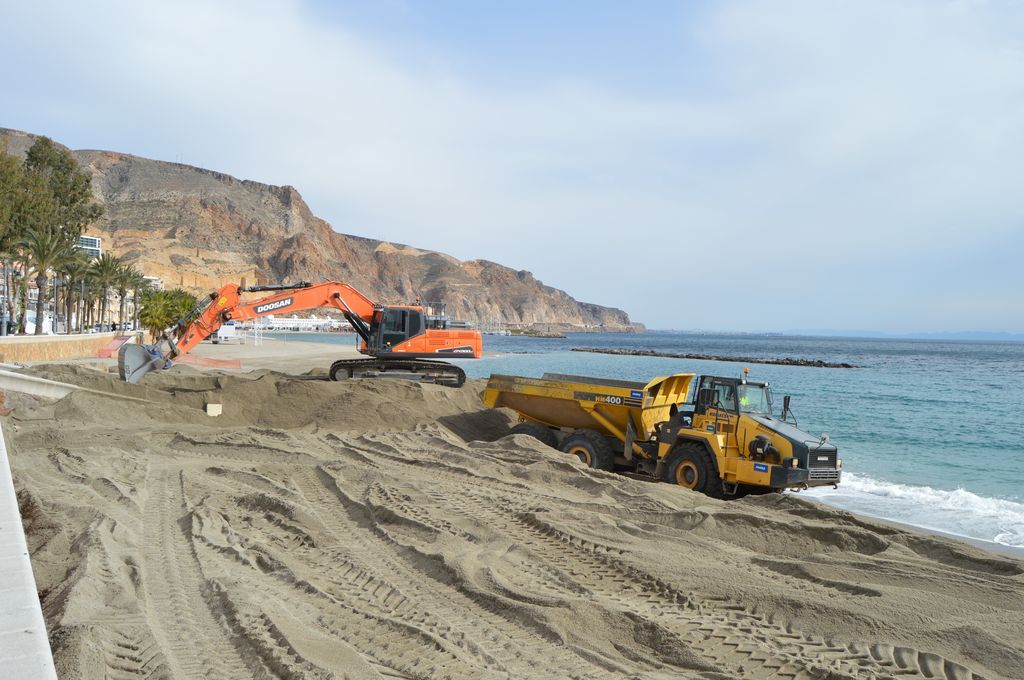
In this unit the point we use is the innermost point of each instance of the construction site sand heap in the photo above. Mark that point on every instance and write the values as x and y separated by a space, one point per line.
375 529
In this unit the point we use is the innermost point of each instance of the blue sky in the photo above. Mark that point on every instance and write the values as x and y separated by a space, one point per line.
748 165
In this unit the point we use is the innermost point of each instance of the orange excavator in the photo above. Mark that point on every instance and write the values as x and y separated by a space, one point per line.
400 341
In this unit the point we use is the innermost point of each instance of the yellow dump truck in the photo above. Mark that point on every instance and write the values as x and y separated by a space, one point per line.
711 434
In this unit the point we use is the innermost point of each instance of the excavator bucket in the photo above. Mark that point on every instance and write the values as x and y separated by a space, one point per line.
135 361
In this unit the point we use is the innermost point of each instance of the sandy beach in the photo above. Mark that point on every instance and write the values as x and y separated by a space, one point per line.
277 353
382 529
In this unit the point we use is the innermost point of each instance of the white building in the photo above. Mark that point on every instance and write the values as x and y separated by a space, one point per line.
311 323
91 245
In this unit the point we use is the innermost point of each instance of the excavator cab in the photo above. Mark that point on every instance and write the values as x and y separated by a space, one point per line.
392 327
409 332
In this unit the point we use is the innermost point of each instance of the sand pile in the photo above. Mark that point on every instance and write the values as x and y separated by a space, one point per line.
323 529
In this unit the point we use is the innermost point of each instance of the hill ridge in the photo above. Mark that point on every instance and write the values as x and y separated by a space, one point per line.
198 228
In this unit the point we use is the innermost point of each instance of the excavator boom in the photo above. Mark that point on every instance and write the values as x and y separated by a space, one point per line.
399 339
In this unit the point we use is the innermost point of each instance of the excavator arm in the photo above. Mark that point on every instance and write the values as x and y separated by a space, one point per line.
226 305
412 337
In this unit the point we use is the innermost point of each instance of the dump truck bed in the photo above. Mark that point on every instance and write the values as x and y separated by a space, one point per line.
618 408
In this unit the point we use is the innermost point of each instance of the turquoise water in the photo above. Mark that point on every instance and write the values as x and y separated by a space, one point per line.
931 432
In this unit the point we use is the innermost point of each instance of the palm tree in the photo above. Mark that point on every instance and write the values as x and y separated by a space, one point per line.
163 308
75 271
157 311
21 292
42 250
8 254
89 300
104 271
140 286
123 282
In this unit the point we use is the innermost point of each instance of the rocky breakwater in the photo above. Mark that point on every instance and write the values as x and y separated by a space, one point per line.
786 361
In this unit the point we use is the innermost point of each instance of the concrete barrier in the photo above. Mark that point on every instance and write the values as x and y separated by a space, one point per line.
24 645
12 381
24 348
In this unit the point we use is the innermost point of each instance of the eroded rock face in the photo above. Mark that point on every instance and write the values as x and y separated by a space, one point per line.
197 229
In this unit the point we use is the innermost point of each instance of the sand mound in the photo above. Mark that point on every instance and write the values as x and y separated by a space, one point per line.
383 529
274 400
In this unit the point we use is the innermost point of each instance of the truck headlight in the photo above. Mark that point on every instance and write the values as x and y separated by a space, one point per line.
793 462
839 463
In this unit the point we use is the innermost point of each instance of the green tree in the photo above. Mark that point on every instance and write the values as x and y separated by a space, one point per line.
11 176
33 211
69 186
156 313
42 250
45 204
7 255
183 302
161 309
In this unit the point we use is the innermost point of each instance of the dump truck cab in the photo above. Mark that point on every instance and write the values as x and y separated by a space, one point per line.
735 422
714 434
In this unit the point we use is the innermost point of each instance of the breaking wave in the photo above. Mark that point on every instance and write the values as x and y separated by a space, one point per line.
957 512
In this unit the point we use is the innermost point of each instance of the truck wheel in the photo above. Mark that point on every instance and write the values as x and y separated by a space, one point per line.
539 432
592 448
689 465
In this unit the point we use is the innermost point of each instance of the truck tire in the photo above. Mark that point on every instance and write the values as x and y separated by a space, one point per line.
592 448
689 465
539 432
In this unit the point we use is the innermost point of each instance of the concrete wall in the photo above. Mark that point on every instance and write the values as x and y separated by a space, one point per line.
22 348
24 645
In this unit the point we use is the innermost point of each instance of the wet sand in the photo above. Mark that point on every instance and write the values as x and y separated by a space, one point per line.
380 529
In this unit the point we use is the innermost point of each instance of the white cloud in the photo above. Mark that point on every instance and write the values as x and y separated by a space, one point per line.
850 154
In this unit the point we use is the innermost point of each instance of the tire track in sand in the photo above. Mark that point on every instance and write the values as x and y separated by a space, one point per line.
724 632
497 644
194 643
132 654
369 444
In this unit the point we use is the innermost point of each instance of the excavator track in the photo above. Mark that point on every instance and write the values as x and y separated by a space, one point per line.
420 370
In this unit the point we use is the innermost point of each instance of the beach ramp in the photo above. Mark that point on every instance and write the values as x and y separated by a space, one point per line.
110 351
24 646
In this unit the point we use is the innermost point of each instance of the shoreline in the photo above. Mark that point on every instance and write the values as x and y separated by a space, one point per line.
993 547
988 546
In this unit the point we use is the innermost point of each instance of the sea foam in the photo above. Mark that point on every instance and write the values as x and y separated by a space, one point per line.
958 512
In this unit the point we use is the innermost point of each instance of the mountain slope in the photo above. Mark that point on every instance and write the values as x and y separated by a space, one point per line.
198 229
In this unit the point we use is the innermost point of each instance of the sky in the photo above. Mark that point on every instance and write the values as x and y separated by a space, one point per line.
746 166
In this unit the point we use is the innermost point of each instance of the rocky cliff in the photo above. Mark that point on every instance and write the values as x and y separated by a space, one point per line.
198 229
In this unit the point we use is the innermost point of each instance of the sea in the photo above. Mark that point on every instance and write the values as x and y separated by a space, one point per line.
931 433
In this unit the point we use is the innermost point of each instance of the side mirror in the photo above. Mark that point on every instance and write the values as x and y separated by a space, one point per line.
785 406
